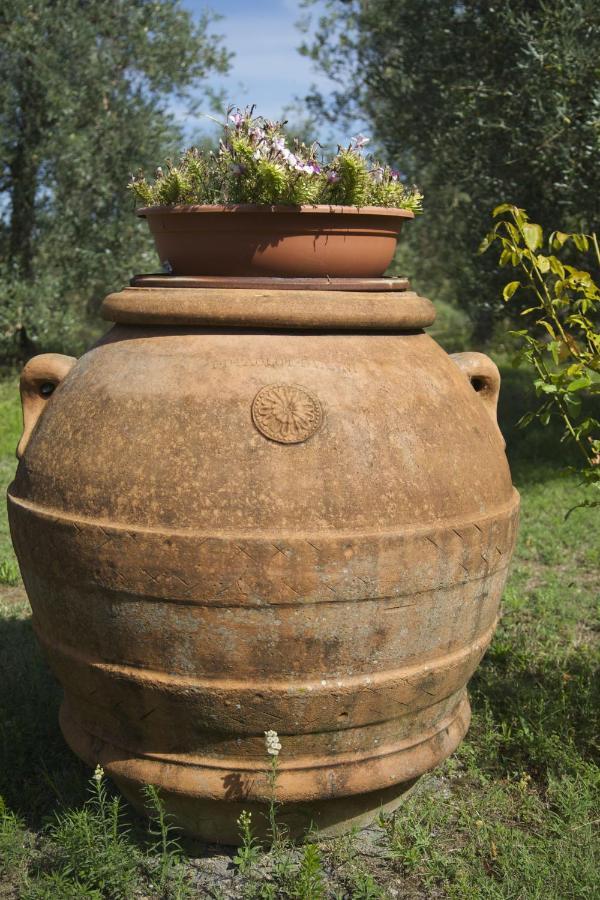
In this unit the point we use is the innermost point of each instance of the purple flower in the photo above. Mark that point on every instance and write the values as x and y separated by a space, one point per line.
293 161
394 174
279 145
237 119
332 177
359 141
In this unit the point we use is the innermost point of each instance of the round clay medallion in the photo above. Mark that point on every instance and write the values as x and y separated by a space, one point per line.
286 413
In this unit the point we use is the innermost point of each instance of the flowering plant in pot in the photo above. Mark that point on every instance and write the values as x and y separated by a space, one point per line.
257 206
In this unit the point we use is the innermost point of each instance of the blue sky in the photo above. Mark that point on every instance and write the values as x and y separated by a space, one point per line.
267 68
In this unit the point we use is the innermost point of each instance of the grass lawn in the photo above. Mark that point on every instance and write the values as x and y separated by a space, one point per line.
513 814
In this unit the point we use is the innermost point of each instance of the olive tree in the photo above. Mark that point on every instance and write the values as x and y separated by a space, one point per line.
479 103
85 90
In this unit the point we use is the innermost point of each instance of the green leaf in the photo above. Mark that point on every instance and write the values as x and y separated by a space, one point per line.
574 402
547 326
554 348
525 420
556 266
533 235
581 242
580 383
487 241
557 239
510 288
504 207
543 263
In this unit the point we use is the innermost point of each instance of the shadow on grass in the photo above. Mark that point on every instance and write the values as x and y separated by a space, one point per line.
37 769
39 774
536 712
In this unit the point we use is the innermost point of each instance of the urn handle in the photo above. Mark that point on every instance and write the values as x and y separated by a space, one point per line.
39 378
484 377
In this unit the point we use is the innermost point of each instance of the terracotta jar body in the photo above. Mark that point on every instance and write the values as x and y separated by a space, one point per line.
230 528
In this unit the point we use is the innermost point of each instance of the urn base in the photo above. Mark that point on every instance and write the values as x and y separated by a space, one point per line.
183 787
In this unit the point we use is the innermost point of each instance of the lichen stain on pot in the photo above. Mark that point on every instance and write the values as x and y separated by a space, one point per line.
228 524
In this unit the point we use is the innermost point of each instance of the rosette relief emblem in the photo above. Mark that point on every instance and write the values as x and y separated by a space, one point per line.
286 413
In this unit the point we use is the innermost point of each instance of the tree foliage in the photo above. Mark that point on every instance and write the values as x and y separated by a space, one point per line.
84 92
477 102
559 334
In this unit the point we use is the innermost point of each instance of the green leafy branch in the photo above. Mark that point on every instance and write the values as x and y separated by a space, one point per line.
560 339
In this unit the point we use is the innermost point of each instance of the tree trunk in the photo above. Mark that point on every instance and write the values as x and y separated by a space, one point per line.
24 169
24 177
30 124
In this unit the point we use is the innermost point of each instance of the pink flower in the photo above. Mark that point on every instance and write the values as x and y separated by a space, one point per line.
237 119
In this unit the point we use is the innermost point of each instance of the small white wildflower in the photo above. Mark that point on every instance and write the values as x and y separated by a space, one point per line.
273 743
98 774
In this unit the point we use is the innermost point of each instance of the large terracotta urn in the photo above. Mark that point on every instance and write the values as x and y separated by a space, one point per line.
264 504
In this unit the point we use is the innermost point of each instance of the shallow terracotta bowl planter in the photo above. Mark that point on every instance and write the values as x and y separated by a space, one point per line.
305 241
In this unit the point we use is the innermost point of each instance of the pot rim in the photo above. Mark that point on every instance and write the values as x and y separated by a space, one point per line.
319 209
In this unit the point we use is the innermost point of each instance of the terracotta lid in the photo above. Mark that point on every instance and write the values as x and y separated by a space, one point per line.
160 279
298 304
